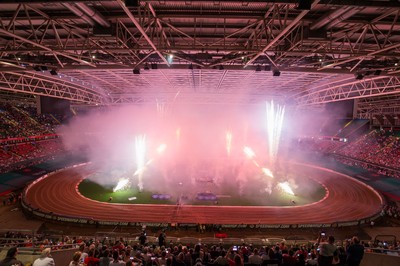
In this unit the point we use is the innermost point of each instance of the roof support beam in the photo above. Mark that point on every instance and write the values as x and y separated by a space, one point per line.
377 86
10 34
159 24
283 33
37 85
350 59
140 28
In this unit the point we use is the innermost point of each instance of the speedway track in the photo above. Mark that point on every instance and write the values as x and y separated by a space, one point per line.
346 200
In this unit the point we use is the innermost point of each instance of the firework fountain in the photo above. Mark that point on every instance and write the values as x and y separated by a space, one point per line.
268 169
274 122
122 183
228 140
275 114
140 148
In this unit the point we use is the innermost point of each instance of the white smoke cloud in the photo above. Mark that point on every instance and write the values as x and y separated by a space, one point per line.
194 137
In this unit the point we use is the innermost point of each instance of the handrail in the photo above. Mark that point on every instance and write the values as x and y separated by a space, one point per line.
383 251
37 249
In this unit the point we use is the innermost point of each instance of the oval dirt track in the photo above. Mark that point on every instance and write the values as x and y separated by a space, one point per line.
347 200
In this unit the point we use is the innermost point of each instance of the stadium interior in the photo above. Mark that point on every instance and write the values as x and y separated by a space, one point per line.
313 86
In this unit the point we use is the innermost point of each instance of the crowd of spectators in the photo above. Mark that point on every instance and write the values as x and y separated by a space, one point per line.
11 198
17 156
391 210
105 251
23 121
377 151
26 137
18 239
321 146
377 147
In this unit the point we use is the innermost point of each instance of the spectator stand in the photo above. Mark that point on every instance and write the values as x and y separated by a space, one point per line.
379 250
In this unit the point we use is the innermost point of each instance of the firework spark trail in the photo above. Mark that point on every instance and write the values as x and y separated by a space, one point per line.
267 172
141 170
275 114
140 147
228 137
160 108
285 187
256 164
122 183
249 152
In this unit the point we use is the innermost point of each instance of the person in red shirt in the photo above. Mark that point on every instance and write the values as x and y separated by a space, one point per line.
287 257
236 261
91 260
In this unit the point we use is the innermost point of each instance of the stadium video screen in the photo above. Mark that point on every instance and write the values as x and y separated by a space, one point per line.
50 105
343 109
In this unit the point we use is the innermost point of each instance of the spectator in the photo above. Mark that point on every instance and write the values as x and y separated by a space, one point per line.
237 261
287 258
143 238
355 252
84 255
198 262
178 260
75 259
11 258
116 260
45 259
197 253
336 259
277 254
163 259
300 261
105 259
312 260
326 251
162 238
91 260
255 258
222 260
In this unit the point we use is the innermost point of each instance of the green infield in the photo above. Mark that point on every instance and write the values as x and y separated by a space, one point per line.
224 194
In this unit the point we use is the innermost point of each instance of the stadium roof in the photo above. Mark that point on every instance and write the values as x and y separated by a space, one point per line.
305 52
